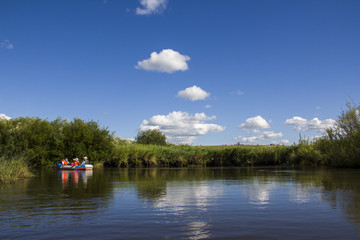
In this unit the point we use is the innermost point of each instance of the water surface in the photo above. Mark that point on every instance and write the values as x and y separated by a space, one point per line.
199 203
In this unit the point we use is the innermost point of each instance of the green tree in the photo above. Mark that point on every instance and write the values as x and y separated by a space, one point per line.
42 142
87 139
151 136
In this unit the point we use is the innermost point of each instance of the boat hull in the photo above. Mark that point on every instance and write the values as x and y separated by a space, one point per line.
81 167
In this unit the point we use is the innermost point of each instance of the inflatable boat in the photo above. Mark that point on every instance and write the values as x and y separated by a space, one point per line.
80 167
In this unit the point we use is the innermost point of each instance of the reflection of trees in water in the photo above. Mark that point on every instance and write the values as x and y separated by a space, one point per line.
340 187
152 183
161 186
185 194
55 193
77 193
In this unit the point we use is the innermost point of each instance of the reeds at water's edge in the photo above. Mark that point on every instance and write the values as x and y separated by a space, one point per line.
13 169
138 155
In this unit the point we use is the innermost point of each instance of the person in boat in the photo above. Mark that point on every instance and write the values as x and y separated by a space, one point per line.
76 162
65 161
85 161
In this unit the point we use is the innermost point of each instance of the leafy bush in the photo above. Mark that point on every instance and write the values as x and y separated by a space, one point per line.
45 143
151 136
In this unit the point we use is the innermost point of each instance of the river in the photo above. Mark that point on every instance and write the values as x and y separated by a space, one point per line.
184 203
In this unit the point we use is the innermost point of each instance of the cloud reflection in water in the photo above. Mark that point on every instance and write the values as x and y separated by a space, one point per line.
191 200
259 193
181 198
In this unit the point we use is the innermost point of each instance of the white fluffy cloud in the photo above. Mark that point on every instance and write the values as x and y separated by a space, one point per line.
254 122
167 60
151 7
3 116
284 141
314 125
208 106
6 44
238 92
193 93
181 127
266 135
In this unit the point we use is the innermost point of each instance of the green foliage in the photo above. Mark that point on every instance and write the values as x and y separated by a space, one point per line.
42 143
306 154
341 146
45 143
151 136
141 155
120 141
14 169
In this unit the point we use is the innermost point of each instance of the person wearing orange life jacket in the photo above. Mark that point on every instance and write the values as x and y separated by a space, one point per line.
76 162
65 161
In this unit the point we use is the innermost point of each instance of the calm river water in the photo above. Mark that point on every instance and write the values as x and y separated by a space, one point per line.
195 203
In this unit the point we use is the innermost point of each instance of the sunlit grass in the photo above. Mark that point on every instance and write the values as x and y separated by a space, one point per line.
13 169
139 155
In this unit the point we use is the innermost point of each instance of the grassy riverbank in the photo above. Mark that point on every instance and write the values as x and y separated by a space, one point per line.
13 169
304 153
45 143
138 155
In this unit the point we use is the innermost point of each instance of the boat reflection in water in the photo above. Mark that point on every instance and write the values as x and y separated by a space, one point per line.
73 177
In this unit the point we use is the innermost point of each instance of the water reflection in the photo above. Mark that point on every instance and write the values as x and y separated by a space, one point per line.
199 203
180 196
259 193
262 189
40 201
198 230
299 194
73 177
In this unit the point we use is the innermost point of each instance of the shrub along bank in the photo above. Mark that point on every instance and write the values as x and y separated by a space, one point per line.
44 143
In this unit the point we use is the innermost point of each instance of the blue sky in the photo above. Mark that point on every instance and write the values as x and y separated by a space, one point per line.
204 72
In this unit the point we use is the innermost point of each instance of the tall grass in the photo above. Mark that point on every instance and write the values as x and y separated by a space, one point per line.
341 145
138 155
13 169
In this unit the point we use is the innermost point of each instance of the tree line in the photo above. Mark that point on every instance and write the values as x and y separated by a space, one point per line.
43 143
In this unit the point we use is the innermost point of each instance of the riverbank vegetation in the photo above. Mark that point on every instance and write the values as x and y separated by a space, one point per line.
43 142
27 143
139 155
341 145
13 169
